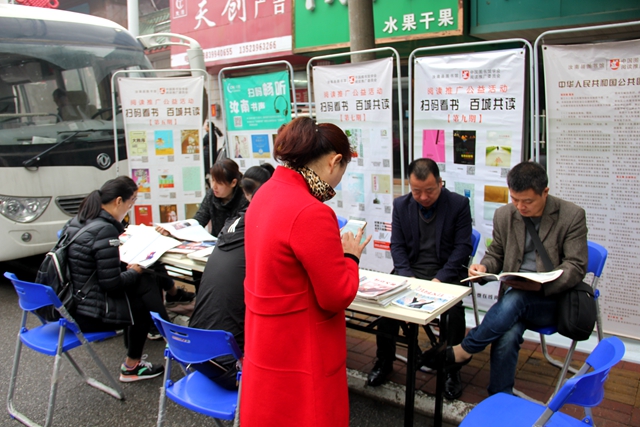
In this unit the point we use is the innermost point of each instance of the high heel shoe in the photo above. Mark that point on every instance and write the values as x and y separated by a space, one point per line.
430 359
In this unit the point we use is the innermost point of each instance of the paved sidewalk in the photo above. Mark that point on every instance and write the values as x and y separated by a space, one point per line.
535 377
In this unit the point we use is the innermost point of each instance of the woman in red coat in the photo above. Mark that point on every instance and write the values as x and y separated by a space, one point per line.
300 277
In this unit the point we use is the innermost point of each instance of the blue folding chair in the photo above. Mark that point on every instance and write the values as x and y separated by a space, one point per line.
586 389
195 391
597 259
475 240
53 339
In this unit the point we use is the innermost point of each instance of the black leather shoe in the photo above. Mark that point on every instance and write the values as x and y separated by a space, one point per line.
453 386
380 372
429 359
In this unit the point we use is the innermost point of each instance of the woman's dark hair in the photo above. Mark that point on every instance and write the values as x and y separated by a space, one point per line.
225 170
528 175
254 177
122 186
303 141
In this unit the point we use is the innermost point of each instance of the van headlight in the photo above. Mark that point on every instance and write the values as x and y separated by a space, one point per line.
23 209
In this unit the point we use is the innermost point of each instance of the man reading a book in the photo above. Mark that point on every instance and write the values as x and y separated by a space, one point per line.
430 239
562 229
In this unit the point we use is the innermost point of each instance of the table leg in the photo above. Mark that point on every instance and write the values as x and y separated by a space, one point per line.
440 376
410 388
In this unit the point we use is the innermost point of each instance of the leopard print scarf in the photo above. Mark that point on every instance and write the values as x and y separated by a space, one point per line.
319 188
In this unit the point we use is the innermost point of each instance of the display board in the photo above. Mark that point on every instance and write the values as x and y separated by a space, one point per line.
468 112
593 119
255 107
358 99
163 124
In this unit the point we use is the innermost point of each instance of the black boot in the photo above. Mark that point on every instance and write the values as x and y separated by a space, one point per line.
380 372
453 385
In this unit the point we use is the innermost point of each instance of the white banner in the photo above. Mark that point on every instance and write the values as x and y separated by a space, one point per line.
163 124
468 117
358 99
593 116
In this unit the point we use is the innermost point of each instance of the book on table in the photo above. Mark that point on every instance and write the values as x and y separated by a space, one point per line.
202 255
423 299
380 291
518 276
191 247
189 229
143 245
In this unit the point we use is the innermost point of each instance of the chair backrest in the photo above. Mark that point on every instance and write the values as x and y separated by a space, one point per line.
588 389
475 240
191 345
597 258
32 296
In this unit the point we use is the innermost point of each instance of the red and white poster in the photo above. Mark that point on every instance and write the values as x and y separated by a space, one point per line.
593 123
357 98
230 30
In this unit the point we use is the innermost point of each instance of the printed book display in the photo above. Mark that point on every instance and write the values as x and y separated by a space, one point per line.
143 245
380 291
189 229
535 277
422 299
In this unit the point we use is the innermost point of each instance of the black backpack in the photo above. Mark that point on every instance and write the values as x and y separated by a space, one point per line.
54 272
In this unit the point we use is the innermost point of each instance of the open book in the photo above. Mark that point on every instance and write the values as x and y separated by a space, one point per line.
189 229
143 245
535 277
423 299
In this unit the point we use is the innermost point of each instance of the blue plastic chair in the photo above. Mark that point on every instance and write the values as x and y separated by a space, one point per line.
342 221
475 240
585 389
195 391
597 259
53 339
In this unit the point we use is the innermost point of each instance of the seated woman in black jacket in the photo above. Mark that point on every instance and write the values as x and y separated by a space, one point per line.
220 302
123 295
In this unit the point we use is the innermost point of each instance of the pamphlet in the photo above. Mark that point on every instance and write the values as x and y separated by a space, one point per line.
535 277
423 299
143 245
189 229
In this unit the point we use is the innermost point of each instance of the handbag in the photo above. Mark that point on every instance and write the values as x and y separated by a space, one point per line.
577 311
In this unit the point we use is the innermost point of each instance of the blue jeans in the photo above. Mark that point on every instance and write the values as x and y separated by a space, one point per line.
503 327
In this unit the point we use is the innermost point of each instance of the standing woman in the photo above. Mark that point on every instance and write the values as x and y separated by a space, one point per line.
300 277
122 295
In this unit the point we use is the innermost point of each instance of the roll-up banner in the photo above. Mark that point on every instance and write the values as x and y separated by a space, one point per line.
255 107
593 121
468 117
163 123
358 99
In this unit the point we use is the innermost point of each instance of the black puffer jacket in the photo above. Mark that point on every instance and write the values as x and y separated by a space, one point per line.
98 248
215 210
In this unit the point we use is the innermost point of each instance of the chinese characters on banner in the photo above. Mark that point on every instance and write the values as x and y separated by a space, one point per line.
468 117
162 121
593 93
358 99
255 107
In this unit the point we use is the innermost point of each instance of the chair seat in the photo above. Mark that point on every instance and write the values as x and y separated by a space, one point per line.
548 330
44 338
198 393
513 412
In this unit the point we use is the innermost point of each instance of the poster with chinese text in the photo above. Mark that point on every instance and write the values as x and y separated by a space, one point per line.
255 107
593 123
358 99
163 121
468 117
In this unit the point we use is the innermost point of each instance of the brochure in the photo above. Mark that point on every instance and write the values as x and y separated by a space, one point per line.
143 245
423 299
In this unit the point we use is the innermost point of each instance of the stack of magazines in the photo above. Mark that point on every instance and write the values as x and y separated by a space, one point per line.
422 299
380 291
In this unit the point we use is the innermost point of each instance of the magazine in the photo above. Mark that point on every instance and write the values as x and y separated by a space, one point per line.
190 247
535 277
189 229
143 245
422 299
380 291
202 255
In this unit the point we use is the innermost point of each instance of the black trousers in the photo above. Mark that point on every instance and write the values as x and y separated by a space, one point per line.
143 298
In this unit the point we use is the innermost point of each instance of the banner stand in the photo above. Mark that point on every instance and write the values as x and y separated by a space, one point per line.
292 91
114 99
399 88
413 56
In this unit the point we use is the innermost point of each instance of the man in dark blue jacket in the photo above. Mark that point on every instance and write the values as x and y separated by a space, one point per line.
430 239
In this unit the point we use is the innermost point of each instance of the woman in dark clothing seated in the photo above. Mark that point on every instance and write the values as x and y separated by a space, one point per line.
220 302
122 295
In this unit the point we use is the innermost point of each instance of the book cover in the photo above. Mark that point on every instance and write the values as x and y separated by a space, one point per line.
422 299
464 147
190 247
372 288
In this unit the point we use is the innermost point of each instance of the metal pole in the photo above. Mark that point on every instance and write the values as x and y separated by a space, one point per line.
133 18
361 31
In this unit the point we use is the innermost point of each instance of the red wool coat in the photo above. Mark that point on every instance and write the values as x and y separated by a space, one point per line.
297 285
